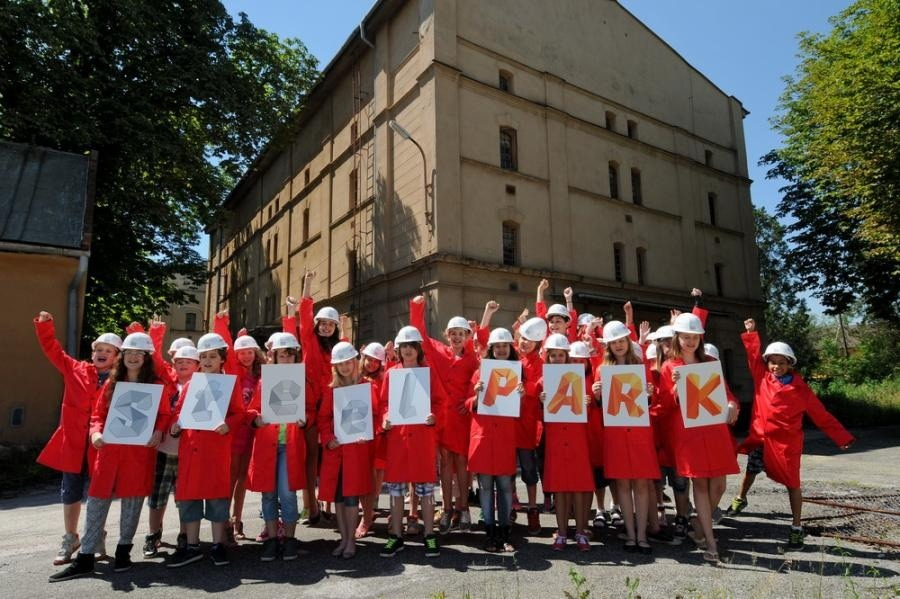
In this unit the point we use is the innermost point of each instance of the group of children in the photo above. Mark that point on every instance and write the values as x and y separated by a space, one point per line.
211 470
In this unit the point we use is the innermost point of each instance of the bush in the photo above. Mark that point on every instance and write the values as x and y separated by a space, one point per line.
19 470
862 404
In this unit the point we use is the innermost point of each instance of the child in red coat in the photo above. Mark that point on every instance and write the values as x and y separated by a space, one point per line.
373 359
781 399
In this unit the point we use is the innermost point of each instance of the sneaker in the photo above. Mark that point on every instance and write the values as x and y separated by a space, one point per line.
123 558
151 544
600 520
261 537
737 506
431 546
717 516
559 543
465 521
413 527
290 549
218 555
615 517
184 556
663 536
393 546
181 541
795 539
270 551
534 521
82 566
70 544
681 527
582 542
443 523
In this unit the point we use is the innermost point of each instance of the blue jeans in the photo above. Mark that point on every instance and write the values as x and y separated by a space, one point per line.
73 488
282 494
504 498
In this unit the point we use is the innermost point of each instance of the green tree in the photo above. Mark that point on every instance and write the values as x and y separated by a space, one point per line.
176 97
840 120
786 314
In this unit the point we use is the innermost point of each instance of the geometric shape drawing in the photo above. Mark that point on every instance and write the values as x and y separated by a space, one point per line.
283 393
409 401
625 400
206 401
701 393
132 413
565 393
500 395
353 413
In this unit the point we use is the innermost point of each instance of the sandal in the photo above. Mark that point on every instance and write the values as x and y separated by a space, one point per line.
711 556
699 542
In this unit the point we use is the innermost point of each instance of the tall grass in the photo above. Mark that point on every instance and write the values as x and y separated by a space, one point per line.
862 404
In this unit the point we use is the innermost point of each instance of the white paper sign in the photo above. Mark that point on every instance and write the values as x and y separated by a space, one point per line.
132 413
283 393
206 402
564 389
409 401
353 413
625 395
500 395
701 393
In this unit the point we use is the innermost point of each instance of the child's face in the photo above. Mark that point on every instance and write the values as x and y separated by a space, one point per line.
526 346
557 356
246 357
779 365
557 324
284 356
620 347
689 342
185 367
664 346
371 365
457 337
345 369
211 362
408 353
133 359
502 351
103 356
325 328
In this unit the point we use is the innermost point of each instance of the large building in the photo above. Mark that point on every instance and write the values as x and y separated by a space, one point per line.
530 139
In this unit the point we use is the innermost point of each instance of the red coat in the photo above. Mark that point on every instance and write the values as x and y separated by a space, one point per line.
126 470
493 446
204 457
528 425
455 374
352 462
629 451
777 421
242 436
380 445
703 451
68 448
411 454
263 467
661 420
567 463
317 360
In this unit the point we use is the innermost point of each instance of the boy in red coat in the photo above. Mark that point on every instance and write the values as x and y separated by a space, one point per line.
781 399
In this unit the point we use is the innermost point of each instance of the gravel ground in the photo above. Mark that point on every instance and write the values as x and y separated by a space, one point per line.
756 562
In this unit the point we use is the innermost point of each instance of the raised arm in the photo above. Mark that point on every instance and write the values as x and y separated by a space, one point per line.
753 346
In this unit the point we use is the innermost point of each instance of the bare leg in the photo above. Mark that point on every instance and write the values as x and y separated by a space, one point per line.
796 498
746 483
342 529
71 514
704 512
446 480
312 457
428 514
642 504
463 481
626 504
351 519
239 464
192 529
397 516
582 507
563 500
218 531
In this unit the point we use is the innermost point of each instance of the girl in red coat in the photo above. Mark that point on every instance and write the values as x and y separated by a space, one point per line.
204 465
492 452
781 399
528 426
374 356
124 471
68 449
346 468
278 462
705 454
567 463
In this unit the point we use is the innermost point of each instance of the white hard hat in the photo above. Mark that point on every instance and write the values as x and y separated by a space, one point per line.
711 350
109 339
558 310
500 335
140 341
458 322
781 349
663 332
179 343
211 341
585 319
343 352
375 350
408 334
579 349
650 352
688 323
613 330
245 342
271 338
534 329
328 313
557 341
283 341
188 352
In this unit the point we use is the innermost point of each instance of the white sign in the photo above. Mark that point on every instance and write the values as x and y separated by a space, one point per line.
701 393
353 413
625 395
132 414
409 401
206 402
500 395
565 394
283 393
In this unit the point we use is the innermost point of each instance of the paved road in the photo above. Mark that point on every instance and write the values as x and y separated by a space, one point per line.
757 564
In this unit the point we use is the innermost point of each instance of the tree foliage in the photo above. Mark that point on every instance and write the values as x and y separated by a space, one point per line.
176 97
840 120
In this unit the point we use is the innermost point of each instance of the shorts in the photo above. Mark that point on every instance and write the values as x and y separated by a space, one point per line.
422 489
668 475
74 486
755 463
600 481
192 510
163 481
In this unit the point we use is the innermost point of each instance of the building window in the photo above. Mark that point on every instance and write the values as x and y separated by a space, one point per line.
619 261
636 196
719 268
508 158
275 248
306 177
268 251
305 236
352 270
225 285
610 120
708 157
505 83
614 180
510 243
711 202
641 262
353 189
190 321
16 417
354 133
632 129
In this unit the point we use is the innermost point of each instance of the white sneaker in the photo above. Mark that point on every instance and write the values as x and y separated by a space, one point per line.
70 544
465 520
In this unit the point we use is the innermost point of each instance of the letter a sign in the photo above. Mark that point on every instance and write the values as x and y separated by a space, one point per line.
625 395
701 393
500 396
564 388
